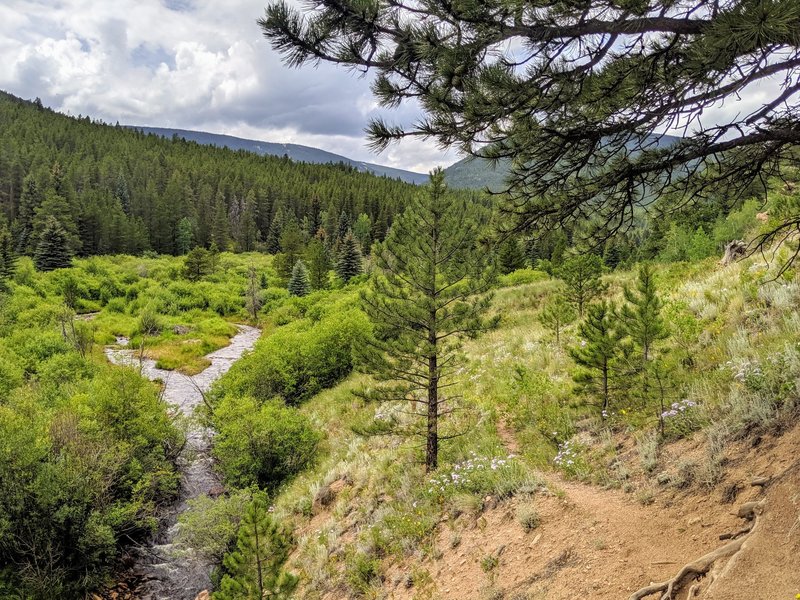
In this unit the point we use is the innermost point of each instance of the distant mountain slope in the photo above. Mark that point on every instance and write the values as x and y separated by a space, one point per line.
476 173
296 152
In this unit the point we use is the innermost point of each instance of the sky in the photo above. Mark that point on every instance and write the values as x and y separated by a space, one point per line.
190 64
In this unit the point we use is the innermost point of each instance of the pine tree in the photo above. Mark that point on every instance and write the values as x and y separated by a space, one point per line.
362 229
184 236
430 291
348 263
299 284
342 228
319 264
582 110
7 255
556 314
198 263
273 241
220 234
247 233
597 352
122 194
641 316
581 274
510 255
254 570
30 199
291 241
53 250
56 206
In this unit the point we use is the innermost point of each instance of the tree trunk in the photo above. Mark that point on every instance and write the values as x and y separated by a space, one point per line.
432 445
258 560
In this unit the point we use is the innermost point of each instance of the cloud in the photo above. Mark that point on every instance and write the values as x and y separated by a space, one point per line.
192 64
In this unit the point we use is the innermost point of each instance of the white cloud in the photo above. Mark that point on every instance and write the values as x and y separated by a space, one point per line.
198 65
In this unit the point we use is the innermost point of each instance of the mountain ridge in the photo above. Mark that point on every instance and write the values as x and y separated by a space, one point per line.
296 152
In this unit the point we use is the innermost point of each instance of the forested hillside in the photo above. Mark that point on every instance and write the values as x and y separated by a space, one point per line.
115 190
296 152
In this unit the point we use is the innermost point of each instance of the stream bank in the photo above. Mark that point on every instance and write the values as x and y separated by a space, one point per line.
164 573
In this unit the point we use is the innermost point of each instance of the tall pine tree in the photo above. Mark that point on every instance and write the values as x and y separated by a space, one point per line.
348 263
53 251
299 284
430 291
319 264
7 255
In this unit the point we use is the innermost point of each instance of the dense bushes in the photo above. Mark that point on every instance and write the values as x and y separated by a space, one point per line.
262 441
263 444
77 474
301 358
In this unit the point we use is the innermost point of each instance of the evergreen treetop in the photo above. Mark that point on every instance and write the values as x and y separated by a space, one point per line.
53 250
254 570
299 284
348 263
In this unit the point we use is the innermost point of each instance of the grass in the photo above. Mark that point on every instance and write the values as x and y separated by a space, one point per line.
389 510
120 295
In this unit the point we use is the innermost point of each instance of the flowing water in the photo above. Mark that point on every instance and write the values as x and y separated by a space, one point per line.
167 573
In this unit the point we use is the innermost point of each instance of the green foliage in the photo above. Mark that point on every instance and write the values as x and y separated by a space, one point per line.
184 237
301 358
348 263
556 314
430 292
132 192
319 264
255 569
150 323
510 256
581 274
198 263
254 295
299 284
78 478
292 247
7 255
598 351
209 525
522 277
261 444
52 251
582 144
641 314
362 231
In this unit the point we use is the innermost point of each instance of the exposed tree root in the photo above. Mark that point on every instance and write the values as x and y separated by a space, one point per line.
701 566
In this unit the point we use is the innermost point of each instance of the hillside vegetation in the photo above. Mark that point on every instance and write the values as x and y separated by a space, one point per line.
369 524
116 190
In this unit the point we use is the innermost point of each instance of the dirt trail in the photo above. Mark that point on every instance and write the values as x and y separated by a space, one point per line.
605 544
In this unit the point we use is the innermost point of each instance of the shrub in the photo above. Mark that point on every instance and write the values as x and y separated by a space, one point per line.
522 277
209 525
264 444
300 359
149 322
528 517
